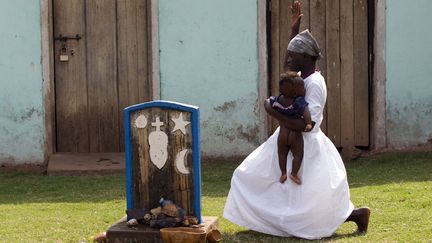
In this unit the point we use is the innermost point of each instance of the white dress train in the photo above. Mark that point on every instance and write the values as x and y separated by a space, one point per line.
313 210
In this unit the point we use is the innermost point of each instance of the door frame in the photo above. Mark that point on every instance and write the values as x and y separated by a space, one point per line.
378 134
47 55
263 83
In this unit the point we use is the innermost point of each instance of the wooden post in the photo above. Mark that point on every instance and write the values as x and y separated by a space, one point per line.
347 78
318 30
274 58
361 82
333 71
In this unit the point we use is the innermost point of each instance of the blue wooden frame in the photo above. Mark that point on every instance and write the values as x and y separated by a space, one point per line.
196 157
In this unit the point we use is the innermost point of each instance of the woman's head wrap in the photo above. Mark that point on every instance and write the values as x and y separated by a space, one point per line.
304 42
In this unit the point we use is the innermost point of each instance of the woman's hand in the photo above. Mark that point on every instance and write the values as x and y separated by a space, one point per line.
308 128
296 16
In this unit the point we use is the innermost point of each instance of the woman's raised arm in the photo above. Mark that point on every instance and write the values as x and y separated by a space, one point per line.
296 16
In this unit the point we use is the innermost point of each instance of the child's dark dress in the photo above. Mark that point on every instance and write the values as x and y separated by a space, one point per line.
296 109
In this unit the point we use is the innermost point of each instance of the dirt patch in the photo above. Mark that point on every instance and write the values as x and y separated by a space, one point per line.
33 168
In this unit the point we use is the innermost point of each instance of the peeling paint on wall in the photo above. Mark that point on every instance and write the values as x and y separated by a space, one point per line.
22 115
409 125
227 132
233 132
229 105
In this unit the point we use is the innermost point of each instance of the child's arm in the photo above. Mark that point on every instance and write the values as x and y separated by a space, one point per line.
308 119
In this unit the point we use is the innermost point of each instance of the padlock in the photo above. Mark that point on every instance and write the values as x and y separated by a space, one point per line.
64 58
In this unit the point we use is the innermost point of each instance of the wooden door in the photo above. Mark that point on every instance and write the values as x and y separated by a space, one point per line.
341 28
102 62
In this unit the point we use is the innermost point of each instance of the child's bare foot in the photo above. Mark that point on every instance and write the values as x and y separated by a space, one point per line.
295 179
283 178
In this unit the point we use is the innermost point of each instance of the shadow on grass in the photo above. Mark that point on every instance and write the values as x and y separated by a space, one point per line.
376 170
390 168
253 236
18 187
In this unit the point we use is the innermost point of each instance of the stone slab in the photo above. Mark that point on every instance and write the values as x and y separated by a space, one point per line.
120 232
86 163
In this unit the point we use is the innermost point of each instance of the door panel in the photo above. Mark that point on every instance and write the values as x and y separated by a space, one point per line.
133 52
102 76
70 77
107 71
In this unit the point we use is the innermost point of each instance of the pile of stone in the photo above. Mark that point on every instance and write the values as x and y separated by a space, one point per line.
167 215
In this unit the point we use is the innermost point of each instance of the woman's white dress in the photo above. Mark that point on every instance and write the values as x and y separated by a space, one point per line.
315 209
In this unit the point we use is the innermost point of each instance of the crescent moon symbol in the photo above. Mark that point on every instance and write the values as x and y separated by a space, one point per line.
180 162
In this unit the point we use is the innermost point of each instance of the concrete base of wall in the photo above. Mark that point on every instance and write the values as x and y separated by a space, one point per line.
32 168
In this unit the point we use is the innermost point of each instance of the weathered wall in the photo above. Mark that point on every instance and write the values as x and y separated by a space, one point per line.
209 58
21 107
408 66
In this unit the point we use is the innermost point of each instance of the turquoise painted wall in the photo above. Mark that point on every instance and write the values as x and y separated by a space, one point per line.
21 106
408 68
209 58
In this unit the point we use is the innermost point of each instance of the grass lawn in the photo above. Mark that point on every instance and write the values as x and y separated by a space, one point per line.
37 208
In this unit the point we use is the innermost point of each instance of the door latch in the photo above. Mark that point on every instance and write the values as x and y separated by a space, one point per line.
77 37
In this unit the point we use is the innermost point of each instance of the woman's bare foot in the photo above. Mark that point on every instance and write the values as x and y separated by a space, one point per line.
361 217
363 220
283 178
295 179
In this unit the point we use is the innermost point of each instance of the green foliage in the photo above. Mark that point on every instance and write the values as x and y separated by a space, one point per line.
37 208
